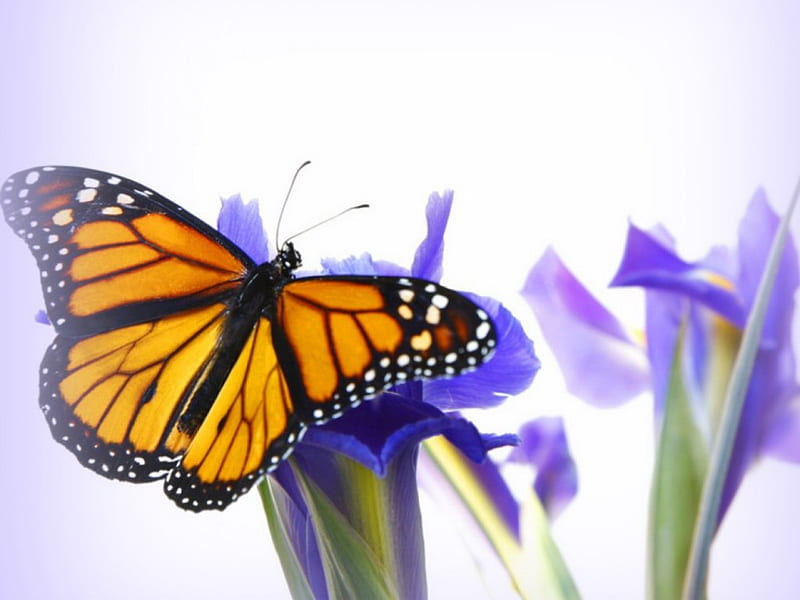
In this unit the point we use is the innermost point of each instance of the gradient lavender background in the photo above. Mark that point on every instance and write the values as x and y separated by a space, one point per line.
553 121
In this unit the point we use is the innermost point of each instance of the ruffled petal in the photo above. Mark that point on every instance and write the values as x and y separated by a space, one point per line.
509 372
428 258
647 263
773 388
377 431
241 223
756 232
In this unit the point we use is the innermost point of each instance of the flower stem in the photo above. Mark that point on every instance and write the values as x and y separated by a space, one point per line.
697 572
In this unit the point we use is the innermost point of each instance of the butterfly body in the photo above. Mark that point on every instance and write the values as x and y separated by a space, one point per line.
179 358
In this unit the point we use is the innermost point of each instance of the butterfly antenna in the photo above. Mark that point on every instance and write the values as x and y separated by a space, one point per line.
285 201
331 218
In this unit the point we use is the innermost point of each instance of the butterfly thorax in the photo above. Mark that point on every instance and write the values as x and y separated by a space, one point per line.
261 290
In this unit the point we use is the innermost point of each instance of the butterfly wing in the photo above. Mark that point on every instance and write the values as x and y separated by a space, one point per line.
251 426
115 400
140 294
351 337
112 252
330 343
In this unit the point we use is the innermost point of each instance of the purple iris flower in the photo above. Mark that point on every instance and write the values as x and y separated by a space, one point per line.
606 364
384 434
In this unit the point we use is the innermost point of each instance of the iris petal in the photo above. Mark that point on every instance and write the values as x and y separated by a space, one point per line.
647 263
241 223
428 258
376 432
782 440
544 445
756 231
600 361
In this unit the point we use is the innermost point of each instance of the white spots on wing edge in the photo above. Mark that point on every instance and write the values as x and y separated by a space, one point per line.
87 194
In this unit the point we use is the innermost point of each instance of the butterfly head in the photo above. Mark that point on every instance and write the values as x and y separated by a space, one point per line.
288 259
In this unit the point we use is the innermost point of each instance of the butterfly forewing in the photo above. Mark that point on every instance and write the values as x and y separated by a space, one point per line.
111 252
353 337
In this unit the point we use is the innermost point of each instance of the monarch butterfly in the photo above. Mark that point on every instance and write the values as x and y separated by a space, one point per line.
177 357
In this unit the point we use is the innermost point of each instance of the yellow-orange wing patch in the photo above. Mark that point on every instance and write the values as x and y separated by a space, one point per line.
351 337
249 429
113 398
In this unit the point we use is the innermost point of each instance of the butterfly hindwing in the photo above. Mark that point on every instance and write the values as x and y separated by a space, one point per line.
250 428
114 399
354 336
112 252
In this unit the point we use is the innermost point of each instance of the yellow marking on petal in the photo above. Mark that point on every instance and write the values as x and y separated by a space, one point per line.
718 280
637 335
724 341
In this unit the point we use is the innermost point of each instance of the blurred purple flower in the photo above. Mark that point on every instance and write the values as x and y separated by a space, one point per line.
604 365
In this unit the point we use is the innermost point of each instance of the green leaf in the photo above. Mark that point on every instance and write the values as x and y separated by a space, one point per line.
366 530
352 568
277 506
722 448
681 461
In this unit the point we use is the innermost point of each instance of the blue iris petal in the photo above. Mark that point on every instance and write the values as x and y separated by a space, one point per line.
241 223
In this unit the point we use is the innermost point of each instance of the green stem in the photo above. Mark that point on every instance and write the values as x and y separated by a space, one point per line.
722 449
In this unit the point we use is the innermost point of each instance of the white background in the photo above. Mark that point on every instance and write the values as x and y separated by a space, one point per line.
554 122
